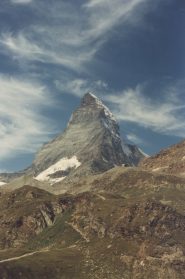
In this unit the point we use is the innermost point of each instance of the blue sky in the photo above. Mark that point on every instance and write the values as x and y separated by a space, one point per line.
130 53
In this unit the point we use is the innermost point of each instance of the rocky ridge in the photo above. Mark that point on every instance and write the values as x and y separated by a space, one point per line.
170 160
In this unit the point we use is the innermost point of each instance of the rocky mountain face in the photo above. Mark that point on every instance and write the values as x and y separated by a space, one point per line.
91 143
170 160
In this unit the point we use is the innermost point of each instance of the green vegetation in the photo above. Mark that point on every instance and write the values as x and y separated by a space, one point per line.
60 234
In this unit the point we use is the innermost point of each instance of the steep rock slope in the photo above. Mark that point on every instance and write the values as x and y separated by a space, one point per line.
170 160
91 143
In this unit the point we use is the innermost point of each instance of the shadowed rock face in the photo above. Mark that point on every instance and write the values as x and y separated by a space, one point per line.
92 135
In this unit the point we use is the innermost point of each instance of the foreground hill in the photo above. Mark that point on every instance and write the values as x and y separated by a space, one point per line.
170 160
125 223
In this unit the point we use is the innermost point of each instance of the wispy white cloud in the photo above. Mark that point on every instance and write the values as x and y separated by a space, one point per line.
21 1
79 87
134 138
24 48
21 46
22 127
105 14
164 117
75 35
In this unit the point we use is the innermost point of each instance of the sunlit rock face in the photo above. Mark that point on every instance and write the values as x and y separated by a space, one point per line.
92 136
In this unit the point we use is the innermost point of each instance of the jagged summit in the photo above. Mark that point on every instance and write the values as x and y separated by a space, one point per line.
93 105
89 99
90 144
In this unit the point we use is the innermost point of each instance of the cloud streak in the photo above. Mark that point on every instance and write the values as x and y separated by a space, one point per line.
78 87
106 14
76 34
21 1
22 127
164 117
134 139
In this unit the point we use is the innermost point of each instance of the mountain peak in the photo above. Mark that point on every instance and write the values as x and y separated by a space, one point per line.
90 99
90 144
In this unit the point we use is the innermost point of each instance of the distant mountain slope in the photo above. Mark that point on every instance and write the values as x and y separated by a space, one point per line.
170 160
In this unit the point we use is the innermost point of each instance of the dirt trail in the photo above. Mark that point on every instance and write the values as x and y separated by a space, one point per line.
23 256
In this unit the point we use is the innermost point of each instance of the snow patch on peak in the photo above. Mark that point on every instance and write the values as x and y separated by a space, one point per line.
93 96
62 165
2 183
